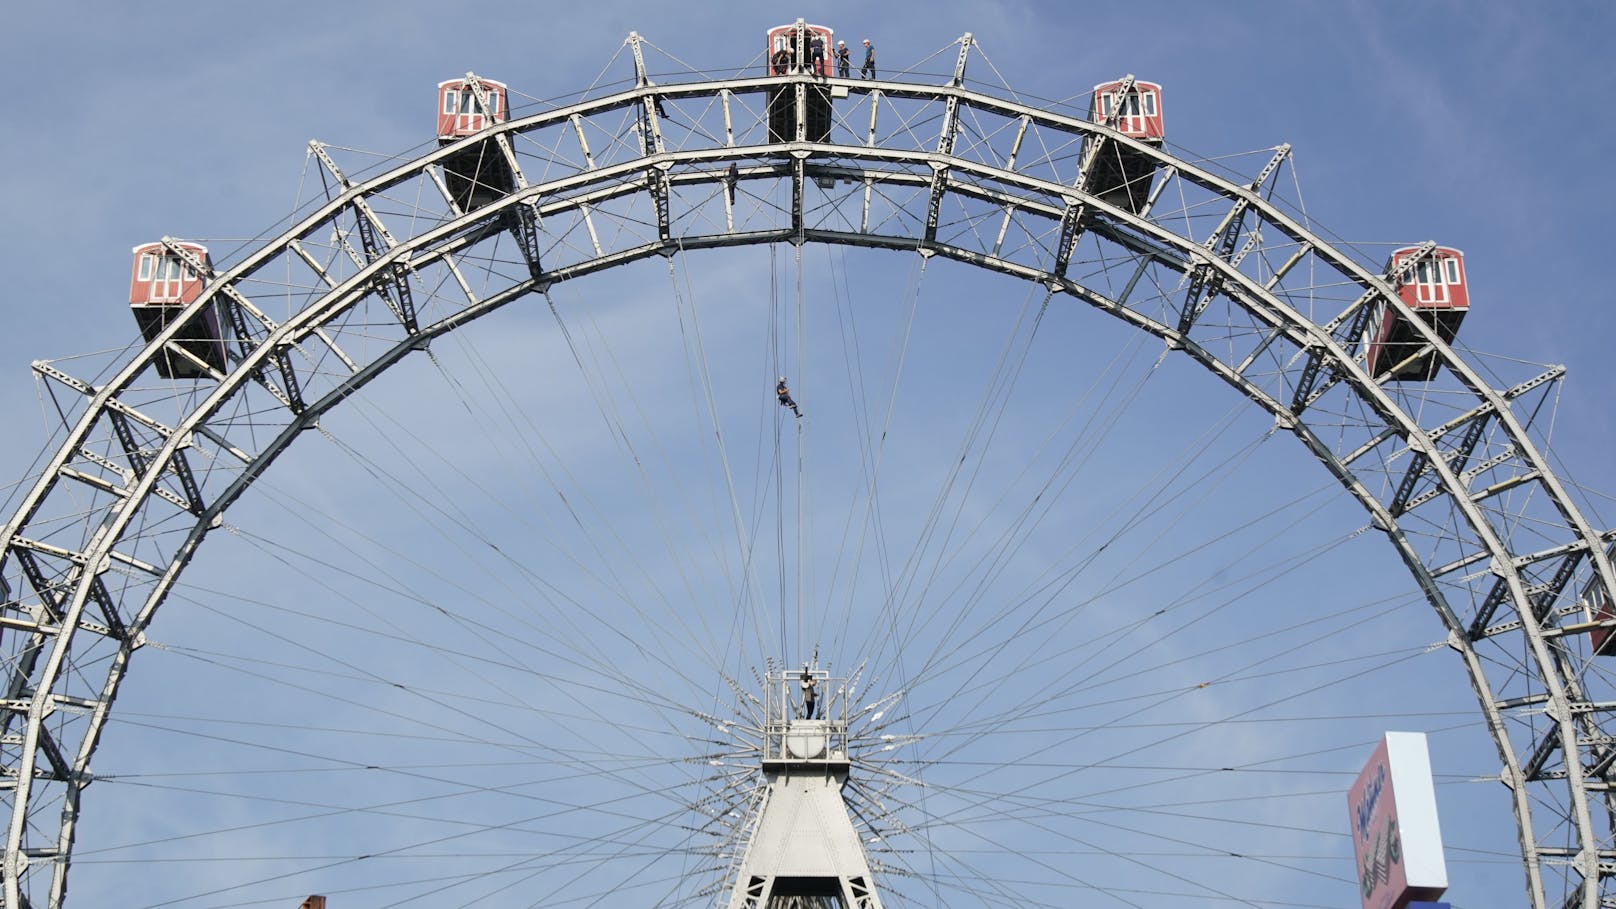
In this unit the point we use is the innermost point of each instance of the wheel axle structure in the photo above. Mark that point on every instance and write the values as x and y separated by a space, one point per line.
1209 262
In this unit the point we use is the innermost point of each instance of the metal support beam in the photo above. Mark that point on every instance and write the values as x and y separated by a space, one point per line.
1457 458
1543 596
1076 209
525 228
1354 317
1010 164
1205 282
181 468
46 592
945 147
291 395
105 602
797 189
119 416
392 283
1532 769
589 164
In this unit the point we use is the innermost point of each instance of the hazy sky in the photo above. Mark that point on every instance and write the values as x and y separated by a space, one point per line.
1483 127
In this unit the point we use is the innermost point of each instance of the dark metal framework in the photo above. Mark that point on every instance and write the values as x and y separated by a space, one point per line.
1211 263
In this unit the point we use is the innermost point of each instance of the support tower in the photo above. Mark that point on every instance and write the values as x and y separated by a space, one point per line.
804 852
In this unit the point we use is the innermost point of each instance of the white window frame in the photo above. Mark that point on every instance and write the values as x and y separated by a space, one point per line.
1429 278
450 102
145 272
1136 104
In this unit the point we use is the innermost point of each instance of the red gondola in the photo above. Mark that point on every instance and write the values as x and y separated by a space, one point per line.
1436 289
1600 609
1119 175
1141 111
1604 639
161 285
793 50
478 174
801 47
459 113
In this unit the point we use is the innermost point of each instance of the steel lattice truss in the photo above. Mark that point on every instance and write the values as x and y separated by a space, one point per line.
1213 263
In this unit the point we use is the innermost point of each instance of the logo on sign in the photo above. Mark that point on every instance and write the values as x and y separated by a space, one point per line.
1365 812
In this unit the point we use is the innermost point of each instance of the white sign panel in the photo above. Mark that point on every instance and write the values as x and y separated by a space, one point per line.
1395 836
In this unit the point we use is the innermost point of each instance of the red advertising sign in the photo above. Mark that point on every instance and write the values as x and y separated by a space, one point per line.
1396 841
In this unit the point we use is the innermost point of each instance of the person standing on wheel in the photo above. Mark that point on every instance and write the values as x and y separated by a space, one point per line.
867 71
844 60
810 697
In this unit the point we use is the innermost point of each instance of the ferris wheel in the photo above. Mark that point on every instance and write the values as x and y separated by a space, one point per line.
795 404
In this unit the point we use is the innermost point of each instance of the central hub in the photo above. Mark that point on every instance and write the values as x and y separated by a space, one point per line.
805 723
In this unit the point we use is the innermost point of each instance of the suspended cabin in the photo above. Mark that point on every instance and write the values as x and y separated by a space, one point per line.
1600 609
1122 176
793 50
478 173
1434 288
161 285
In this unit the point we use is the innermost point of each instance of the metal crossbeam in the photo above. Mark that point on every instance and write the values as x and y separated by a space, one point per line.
1205 283
392 283
246 338
1456 459
1542 596
1354 317
44 590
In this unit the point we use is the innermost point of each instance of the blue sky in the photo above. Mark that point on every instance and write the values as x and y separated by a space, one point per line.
1430 121
1484 128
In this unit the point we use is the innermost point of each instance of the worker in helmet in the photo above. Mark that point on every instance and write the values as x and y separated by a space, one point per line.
782 392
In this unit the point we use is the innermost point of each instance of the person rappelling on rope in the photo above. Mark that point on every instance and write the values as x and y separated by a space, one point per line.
783 392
